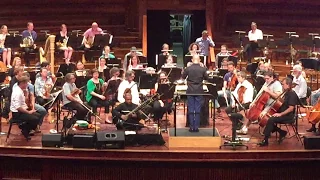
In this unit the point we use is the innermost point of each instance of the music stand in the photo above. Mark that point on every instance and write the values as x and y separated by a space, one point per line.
142 60
169 89
220 59
188 58
13 41
147 81
100 41
113 62
75 41
235 143
106 74
222 72
173 73
56 100
310 63
234 60
162 59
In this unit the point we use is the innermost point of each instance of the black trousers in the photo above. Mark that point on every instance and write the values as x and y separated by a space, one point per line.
271 124
43 101
81 111
249 49
159 111
27 56
229 109
95 102
28 121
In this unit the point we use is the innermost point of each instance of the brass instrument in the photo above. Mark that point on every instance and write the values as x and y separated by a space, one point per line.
63 44
88 43
47 90
27 42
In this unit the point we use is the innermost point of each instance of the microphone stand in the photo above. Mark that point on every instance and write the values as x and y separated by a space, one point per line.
234 143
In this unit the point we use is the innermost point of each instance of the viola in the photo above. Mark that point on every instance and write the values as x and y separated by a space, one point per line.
313 114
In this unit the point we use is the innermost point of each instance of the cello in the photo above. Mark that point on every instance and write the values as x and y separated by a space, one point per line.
313 114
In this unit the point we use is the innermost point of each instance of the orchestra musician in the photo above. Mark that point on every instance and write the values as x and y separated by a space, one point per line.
29 36
61 42
71 98
95 97
195 74
129 85
164 104
285 113
224 63
194 49
133 52
229 83
300 84
113 85
314 99
131 122
303 73
15 64
81 71
43 86
106 53
165 49
47 66
102 64
80 65
66 67
6 52
223 51
273 88
169 62
254 35
29 119
88 39
134 63
261 69
204 42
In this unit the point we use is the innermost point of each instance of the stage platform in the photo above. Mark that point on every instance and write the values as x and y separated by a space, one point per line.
29 160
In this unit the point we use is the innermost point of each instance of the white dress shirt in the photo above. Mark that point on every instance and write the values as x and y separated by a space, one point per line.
17 99
256 35
248 94
301 87
134 91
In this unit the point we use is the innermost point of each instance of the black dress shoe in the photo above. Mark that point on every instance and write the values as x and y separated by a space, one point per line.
191 130
312 129
25 133
263 143
282 136
196 130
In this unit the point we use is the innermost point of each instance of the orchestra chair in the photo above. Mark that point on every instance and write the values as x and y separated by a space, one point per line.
293 125
12 122
67 110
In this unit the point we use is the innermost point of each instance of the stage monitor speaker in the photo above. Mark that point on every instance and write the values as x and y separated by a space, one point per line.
52 140
110 140
311 142
83 141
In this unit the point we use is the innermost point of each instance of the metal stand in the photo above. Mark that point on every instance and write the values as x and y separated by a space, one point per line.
1 108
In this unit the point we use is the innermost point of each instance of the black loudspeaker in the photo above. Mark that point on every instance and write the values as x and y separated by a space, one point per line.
83 141
311 142
110 140
52 140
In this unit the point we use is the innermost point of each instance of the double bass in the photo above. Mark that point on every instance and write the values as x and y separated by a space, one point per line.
313 114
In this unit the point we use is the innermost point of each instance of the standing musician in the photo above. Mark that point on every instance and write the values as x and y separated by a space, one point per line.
204 43
67 67
254 35
29 119
113 85
284 115
229 84
131 122
29 36
300 84
134 63
6 52
94 96
133 52
128 85
243 93
195 74
164 104
43 86
71 98
16 64
61 42
88 39
273 88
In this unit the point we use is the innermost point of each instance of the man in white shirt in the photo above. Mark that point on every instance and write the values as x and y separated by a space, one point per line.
254 35
300 84
28 119
128 83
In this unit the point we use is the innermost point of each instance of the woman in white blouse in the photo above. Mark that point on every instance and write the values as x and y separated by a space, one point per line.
6 52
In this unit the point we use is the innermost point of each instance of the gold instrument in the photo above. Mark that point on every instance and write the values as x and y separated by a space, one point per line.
27 42
88 43
63 44
47 90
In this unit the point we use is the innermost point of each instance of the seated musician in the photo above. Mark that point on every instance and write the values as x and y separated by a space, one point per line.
169 62
43 86
314 98
268 67
29 36
122 121
29 119
254 35
113 85
164 104
106 53
30 101
16 64
224 63
228 85
134 63
261 69
80 65
95 97
133 52
71 98
67 67
195 74
303 73
46 65
102 64
129 85
88 39
300 84
273 88
223 51
285 113
6 52
61 42
194 49
165 49
80 71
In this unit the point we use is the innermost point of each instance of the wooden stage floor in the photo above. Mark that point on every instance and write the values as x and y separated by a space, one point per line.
223 124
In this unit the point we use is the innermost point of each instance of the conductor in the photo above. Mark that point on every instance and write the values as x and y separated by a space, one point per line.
195 74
